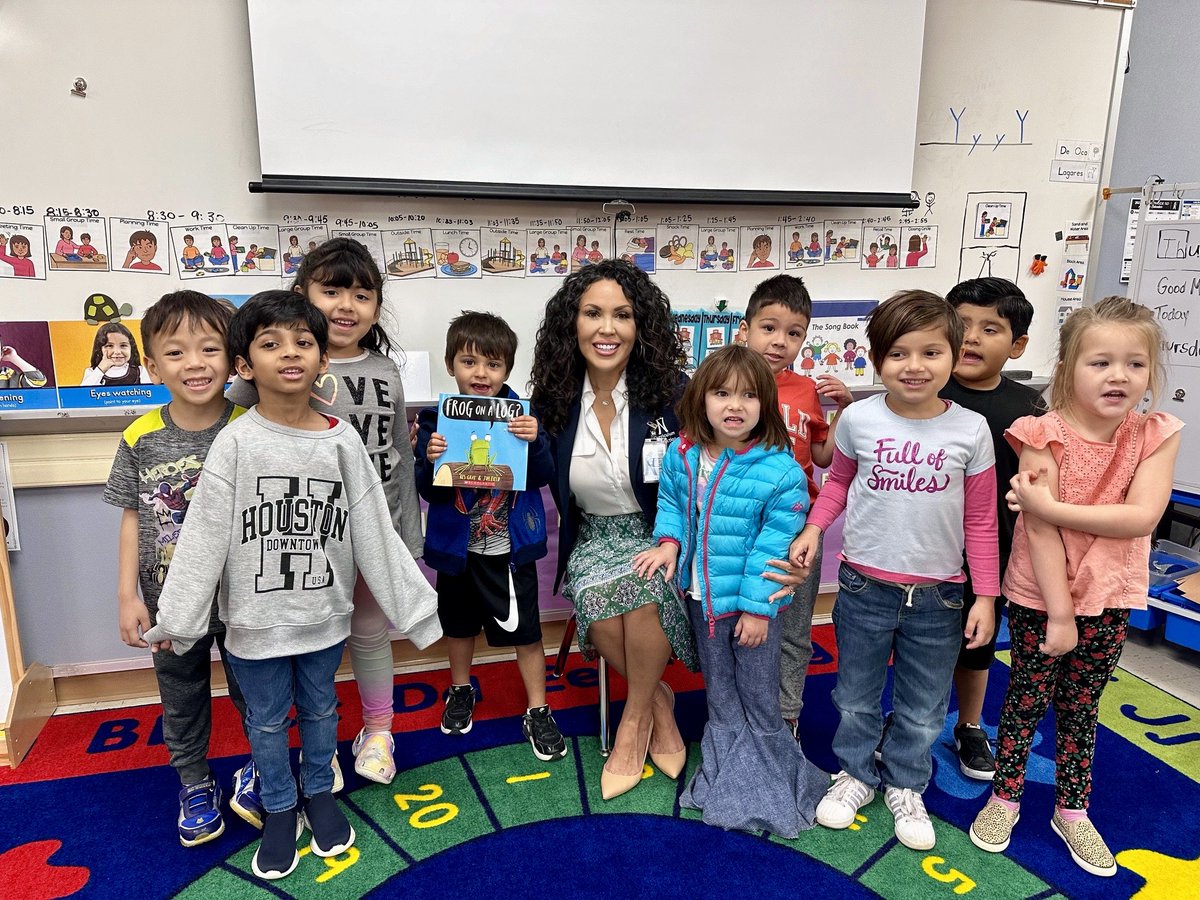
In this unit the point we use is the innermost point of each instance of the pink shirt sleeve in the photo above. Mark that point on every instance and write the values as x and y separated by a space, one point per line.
980 532
832 500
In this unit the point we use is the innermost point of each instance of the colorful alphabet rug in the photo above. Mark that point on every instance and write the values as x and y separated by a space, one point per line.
91 812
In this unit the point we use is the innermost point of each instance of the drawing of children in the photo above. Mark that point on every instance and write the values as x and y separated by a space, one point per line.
893 259
248 259
795 248
991 229
860 362
726 256
806 361
708 255
831 355
538 258
828 244
234 250
86 250
760 253
142 246
814 246
595 255
191 257
983 224
873 256
66 246
559 259
217 255
848 355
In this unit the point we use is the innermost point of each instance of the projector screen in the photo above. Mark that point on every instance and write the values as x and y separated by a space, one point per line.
778 97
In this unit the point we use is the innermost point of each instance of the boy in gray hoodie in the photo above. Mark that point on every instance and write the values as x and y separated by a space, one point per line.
288 508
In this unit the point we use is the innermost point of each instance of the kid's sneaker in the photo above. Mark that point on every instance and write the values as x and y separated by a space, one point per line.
332 832
841 803
975 759
246 801
276 856
993 827
543 735
913 827
1087 847
338 781
373 756
200 813
460 705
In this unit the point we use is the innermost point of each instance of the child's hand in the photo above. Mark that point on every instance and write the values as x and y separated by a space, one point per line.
10 357
160 645
436 447
1061 637
662 557
981 622
834 389
524 427
132 620
1030 493
413 430
804 547
750 630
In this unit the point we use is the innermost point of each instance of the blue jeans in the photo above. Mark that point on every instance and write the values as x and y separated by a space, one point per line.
922 629
270 687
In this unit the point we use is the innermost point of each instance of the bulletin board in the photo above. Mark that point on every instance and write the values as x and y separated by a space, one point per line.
163 143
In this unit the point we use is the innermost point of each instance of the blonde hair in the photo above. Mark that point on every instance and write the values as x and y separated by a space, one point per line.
1109 311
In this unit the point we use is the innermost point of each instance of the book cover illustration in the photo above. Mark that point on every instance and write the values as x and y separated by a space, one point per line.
480 450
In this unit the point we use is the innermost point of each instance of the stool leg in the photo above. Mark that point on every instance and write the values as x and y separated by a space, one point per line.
564 649
605 737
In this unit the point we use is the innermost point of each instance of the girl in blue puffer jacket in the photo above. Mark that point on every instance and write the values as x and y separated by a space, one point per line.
731 497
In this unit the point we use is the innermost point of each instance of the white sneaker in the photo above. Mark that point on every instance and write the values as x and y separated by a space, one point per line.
338 781
913 828
841 803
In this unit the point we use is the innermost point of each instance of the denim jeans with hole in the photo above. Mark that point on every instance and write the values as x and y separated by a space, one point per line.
270 687
922 628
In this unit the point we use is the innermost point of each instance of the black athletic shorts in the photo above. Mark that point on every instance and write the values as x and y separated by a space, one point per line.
488 595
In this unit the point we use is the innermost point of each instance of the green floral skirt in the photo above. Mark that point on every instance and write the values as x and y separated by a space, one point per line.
601 583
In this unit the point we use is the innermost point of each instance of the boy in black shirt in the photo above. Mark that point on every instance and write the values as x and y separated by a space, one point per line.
996 319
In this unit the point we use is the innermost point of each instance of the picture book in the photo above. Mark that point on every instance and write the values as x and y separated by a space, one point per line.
480 450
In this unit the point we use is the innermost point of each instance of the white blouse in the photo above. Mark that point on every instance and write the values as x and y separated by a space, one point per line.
599 476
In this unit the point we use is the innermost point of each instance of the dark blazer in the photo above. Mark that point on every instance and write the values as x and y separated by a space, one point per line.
643 425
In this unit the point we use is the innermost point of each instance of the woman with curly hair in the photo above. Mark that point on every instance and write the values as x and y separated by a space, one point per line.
606 376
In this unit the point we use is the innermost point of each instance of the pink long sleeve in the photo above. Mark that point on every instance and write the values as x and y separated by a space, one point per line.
832 500
980 532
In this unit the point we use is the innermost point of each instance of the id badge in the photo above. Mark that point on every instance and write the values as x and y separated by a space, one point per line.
653 453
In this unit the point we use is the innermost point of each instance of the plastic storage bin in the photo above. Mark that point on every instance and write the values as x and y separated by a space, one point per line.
1169 564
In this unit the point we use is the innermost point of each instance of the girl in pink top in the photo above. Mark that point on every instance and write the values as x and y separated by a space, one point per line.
1095 479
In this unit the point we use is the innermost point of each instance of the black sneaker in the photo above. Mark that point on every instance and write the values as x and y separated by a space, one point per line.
460 704
276 855
332 833
543 735
975 758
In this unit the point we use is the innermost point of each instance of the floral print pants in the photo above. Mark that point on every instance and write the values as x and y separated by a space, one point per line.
1073 683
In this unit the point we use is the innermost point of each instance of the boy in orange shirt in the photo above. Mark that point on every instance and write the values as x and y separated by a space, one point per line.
775 325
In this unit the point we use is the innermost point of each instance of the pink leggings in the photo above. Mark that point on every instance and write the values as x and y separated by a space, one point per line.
371 659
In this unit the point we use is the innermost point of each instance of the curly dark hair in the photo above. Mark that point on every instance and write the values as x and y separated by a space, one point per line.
652 373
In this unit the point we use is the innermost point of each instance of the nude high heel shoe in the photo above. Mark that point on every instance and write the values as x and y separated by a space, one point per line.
613 785
670 764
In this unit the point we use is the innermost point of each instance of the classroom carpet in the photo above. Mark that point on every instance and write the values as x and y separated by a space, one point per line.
91 812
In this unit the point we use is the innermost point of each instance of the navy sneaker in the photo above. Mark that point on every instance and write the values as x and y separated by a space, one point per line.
200 813
276 856
332 832
542 732
246 801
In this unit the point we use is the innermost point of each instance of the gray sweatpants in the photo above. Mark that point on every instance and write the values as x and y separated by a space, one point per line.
185 686
795 640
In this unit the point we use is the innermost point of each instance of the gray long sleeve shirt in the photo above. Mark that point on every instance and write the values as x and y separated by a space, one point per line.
281 519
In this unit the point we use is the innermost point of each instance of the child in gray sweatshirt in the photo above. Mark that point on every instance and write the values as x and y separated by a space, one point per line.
289 507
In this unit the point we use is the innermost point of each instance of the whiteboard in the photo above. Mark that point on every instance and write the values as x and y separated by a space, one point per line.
1168 283
787 95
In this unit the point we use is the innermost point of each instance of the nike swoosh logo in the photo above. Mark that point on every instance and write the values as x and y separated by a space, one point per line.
510 624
